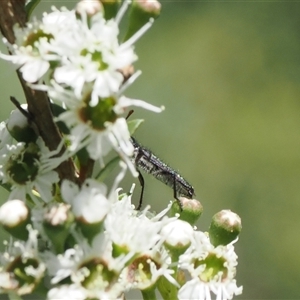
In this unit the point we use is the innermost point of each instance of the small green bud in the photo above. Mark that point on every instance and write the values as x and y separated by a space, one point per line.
57 222
141 12
15 216
224 228
190 210
19 128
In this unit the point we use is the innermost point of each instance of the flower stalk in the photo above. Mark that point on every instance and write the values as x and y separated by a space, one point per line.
72 234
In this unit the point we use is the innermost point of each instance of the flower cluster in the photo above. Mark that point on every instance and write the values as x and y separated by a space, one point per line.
83 239
95 246
78 59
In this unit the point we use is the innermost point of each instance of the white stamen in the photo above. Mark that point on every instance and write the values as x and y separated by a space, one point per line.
132 189
137 35
118 179
129 81
125 102
122 11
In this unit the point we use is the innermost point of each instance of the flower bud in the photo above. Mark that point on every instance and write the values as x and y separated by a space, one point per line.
224 228
178 235
15 216
57 222
18 127
90 8
141 12
190 210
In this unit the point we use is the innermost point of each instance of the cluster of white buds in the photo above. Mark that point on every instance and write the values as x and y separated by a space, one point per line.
82 239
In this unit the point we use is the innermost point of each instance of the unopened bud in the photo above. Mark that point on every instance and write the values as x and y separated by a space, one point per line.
88 7
140 14
224 228
178 235
57 222
15 216
190 210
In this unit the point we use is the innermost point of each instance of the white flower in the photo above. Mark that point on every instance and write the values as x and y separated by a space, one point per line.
67 292
32 67
98 142
24 257
90 202
85 51
36 45
131 232
95 56
28 167
194 289
212 269
197 289
81 52
101 128
62 266
90 268
144 270
59 20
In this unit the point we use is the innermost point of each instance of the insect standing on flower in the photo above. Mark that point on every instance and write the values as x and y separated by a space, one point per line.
145 160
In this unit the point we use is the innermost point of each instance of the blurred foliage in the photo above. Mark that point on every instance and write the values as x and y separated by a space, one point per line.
228 74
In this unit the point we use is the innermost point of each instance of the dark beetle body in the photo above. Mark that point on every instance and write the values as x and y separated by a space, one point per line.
144 159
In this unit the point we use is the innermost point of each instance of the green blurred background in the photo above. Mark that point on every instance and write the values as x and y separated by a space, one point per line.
228 74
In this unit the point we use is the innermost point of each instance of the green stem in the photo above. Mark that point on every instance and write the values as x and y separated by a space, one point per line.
14 296
149 294
167 289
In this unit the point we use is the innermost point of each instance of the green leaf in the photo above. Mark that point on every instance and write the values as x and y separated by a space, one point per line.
133 125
